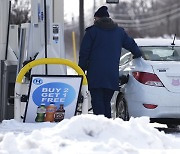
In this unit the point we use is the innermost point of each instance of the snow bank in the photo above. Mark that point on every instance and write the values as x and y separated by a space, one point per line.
86 134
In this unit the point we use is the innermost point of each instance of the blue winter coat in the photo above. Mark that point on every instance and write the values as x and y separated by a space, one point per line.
100 53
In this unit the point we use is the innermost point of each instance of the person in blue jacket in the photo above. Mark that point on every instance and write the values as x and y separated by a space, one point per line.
99 55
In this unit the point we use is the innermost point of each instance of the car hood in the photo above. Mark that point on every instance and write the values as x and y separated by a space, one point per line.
169 74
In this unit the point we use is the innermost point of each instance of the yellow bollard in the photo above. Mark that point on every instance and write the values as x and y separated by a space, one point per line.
74 46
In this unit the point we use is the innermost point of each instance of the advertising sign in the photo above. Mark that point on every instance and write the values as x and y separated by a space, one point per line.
52 98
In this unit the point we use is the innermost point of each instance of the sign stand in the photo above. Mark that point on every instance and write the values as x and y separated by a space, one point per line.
81 78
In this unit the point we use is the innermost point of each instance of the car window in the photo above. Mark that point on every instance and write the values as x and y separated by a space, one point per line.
161 53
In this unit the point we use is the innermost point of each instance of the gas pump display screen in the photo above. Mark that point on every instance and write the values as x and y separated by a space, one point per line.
50 94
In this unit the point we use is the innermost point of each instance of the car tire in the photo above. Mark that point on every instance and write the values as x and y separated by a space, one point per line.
121 107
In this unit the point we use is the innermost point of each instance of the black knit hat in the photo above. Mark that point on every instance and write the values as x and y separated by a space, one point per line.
102 12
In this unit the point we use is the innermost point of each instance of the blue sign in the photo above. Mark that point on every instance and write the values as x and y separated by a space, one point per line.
56 92
59 89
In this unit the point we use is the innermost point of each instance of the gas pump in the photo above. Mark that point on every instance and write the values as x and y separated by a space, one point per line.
8 60
42 38
30 46
45 35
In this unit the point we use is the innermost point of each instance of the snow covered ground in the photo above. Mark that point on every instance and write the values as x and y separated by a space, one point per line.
86 134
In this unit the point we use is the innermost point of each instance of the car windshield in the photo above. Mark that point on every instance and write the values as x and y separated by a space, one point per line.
161 53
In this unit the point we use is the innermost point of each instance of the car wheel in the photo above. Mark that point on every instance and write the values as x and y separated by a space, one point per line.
121 108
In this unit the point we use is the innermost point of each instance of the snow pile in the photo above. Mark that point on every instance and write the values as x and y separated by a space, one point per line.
85 134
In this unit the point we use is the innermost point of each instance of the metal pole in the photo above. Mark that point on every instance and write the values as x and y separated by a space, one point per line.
94 8
45 34
81 19
7 39
21 49
3 26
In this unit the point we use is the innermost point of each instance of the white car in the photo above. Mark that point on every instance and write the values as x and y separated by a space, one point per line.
153 87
